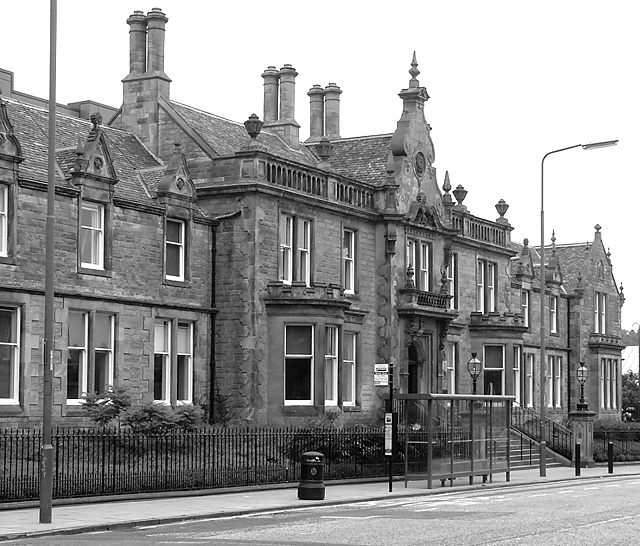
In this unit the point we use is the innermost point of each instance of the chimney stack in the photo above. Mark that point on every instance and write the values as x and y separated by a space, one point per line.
146 82
271 78
332 111
281 84
137 43
156 21
316 106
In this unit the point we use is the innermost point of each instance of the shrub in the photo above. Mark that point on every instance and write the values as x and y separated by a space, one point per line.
150 418
104 408
188 417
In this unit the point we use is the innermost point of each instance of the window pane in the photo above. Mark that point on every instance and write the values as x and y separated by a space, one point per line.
77 333
158 377
73 374
161 345
493 356
91 216
102 331
101 376
6 371
174 231
298 340
183 377
174 260
184 338
298 379
7 333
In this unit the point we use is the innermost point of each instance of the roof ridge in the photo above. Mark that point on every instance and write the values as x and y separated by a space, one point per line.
362 137
205 112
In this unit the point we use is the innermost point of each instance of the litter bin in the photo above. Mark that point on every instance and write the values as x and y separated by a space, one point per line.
311 476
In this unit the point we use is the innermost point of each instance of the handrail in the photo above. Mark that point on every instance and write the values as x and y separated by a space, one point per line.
558 437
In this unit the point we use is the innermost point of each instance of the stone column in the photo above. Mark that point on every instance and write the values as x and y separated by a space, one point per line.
581 425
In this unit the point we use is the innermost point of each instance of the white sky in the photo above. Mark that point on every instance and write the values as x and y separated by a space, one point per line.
509 81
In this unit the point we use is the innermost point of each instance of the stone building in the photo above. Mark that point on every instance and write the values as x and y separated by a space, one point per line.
329 256
133 299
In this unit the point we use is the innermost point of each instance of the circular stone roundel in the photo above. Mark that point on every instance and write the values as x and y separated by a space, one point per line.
180 184
420 163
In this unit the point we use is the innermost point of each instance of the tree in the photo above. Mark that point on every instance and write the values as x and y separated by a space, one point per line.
630 394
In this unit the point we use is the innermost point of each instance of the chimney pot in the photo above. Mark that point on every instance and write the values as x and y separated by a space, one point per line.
271 78
156 21
287 92
137 43
332 111
316 106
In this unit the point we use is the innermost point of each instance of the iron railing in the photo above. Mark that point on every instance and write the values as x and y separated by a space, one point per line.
109 461
626 445
557 437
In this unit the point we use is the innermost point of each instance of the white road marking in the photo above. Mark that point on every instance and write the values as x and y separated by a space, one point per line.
607 521
349 517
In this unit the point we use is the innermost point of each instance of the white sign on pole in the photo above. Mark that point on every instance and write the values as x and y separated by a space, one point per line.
388 434
381 375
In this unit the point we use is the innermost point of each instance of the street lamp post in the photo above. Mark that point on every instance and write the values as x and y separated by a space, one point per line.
474 366
582 374
543 356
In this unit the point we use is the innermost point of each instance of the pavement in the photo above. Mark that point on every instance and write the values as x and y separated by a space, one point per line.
91 515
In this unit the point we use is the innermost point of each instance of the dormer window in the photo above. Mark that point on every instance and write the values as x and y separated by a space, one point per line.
175 250
92 235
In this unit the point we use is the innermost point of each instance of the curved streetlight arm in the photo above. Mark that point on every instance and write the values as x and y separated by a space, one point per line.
543 357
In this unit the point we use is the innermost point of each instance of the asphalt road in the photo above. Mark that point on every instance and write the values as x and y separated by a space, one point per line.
591 512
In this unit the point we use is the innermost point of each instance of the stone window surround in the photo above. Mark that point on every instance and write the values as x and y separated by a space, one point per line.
8 220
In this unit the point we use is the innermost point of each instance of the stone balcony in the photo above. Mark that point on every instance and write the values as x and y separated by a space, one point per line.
414 302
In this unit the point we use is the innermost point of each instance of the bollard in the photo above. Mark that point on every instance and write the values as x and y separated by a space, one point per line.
610 457
577 461
311 476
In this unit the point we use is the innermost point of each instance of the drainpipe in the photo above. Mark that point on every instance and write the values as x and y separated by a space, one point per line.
214 312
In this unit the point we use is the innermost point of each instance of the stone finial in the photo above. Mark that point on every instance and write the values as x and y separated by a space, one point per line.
324 149
413 82
597 227
253 125
447 183
526 242
622 296
502 208
460 194
553 242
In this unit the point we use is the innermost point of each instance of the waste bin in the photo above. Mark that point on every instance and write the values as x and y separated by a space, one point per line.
311 476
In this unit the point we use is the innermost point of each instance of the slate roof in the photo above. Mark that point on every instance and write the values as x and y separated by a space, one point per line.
31 128
227 137
571 262
362 158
